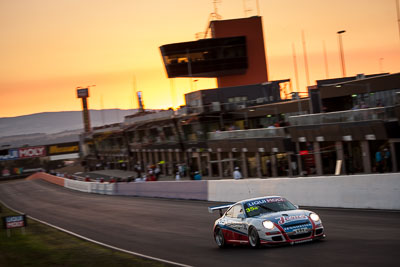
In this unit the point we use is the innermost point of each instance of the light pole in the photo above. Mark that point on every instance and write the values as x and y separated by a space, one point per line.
341 52
83 92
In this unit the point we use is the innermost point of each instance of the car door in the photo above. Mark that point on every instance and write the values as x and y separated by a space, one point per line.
237 223
227 222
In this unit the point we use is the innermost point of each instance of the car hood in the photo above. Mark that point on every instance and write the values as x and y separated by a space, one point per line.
287 218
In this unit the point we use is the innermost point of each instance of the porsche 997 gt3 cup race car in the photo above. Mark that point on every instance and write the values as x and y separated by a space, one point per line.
269 220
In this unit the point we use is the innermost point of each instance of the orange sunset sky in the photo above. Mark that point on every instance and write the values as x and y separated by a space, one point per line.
50 47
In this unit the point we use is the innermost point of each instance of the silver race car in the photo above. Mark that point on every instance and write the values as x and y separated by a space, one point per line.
269 220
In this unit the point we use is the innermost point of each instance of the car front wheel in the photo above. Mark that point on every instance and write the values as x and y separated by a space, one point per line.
254 239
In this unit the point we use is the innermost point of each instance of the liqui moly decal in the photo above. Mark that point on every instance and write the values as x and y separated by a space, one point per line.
276 199
31 152
257 202
265 201
285 219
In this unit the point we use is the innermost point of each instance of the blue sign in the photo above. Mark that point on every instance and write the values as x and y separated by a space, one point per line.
12 154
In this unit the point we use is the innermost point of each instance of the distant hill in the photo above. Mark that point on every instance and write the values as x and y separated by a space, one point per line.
36 139
52 127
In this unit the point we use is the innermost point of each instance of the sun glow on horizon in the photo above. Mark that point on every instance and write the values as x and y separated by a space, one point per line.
51 47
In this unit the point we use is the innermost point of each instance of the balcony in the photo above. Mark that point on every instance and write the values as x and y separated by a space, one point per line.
379 113
247 134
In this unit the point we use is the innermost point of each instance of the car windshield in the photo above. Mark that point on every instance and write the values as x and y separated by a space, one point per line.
267 205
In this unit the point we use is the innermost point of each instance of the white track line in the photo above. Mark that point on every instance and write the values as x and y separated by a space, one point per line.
99 243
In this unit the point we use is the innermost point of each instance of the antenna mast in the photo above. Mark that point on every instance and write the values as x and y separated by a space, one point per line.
213 16
245 9
326 60
398 15
305 58
296 75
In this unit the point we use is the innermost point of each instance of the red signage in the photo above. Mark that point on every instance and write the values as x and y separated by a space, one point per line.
32 152
304 152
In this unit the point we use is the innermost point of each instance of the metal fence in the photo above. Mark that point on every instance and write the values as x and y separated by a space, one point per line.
245 134
378 113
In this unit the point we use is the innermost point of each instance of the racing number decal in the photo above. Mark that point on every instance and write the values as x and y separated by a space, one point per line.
251 209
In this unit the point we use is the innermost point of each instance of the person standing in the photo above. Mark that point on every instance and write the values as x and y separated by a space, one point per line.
294 167
269 170
237 174
150 176
386 160
157 172
180 169
138 170
378 161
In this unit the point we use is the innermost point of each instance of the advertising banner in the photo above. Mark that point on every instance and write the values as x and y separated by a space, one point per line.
63 149
5 173
12 154
14 221
32 152
18 170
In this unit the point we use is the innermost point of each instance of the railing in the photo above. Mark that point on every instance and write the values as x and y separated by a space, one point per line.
227 107
156 140
378 113
244 134
182 111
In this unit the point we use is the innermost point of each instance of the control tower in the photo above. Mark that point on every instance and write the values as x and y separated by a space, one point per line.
235 54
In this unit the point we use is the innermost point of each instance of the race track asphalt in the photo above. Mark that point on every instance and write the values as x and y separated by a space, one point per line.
181 230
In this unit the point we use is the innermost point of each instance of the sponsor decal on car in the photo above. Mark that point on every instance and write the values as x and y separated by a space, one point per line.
273 200
265 201
285 219
293 228
301 230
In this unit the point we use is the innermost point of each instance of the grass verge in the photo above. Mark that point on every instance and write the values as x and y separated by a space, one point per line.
42 245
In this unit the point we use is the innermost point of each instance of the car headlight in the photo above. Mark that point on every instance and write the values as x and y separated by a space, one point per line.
314 217
268 224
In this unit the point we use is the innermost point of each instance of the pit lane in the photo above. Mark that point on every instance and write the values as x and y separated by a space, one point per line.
181 230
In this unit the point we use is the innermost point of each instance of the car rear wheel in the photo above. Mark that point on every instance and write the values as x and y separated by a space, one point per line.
254 239
219 238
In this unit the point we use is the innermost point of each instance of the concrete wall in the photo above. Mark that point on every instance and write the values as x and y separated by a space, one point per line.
47 177
169 189
378 191
78 185
356 191
102 188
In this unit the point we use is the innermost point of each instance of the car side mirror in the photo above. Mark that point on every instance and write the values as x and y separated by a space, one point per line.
297 206
241 216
